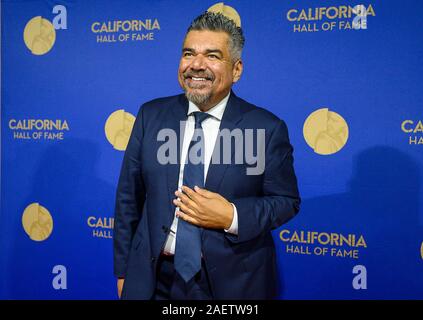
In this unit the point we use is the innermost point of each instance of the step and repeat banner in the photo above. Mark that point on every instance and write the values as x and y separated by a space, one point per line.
346 76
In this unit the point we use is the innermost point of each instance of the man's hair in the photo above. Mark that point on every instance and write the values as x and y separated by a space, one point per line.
218 22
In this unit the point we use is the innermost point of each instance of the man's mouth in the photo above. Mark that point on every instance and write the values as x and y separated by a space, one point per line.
198 79
199 76
198 82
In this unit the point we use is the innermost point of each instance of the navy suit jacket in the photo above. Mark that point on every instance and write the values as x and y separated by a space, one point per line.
240 266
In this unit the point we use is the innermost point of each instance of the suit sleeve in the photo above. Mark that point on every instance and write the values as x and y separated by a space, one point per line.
280 199
130 197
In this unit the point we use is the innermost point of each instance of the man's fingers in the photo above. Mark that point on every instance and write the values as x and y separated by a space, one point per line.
184 208
188 218
204 192
190 193
120 283
186 200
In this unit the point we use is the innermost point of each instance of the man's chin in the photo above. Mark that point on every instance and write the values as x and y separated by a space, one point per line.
196 97
198 91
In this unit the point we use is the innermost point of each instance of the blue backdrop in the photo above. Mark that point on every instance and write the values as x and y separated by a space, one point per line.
359 234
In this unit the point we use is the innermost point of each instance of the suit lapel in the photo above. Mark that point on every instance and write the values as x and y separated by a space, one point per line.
232 115
176 122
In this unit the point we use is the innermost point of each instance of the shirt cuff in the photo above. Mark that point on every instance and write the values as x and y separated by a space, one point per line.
233 229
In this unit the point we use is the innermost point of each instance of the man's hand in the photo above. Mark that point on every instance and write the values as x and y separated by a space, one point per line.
120 282
204 208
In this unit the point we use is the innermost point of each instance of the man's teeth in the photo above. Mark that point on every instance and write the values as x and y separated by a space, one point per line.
198 79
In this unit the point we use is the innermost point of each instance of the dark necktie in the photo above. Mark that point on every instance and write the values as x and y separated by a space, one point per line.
188 236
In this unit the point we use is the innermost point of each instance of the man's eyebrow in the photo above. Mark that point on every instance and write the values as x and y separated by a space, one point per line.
207 50
214 51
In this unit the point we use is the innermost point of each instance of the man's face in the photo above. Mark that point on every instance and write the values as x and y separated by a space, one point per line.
206 71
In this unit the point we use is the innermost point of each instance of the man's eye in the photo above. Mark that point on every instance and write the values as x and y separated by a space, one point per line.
187 54
213 56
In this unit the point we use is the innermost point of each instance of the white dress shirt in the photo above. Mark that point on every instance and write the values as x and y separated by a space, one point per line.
211 129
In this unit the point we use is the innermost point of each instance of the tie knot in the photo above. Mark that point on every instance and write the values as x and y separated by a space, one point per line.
200 117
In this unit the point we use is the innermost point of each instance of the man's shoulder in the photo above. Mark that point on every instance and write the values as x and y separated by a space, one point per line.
163 101
258 115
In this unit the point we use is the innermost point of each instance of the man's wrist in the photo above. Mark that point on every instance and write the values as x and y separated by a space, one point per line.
233 228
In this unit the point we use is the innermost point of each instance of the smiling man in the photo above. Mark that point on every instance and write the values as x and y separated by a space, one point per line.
200 227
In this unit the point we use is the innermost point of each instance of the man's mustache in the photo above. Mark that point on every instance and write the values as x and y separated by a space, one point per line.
206 75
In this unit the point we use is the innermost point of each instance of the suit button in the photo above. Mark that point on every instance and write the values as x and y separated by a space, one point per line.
153 259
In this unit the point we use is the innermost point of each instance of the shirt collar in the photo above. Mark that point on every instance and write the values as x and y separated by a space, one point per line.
217 111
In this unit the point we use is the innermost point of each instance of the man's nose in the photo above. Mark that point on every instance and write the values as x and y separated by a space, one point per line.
198 63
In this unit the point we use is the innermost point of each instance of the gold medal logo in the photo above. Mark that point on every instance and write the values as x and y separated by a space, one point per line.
227 11
118 129
39 35
37 222
326 132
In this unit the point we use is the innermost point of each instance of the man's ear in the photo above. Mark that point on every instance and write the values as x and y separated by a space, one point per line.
237 70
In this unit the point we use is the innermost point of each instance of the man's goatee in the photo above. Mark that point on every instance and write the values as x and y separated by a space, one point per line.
198 99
